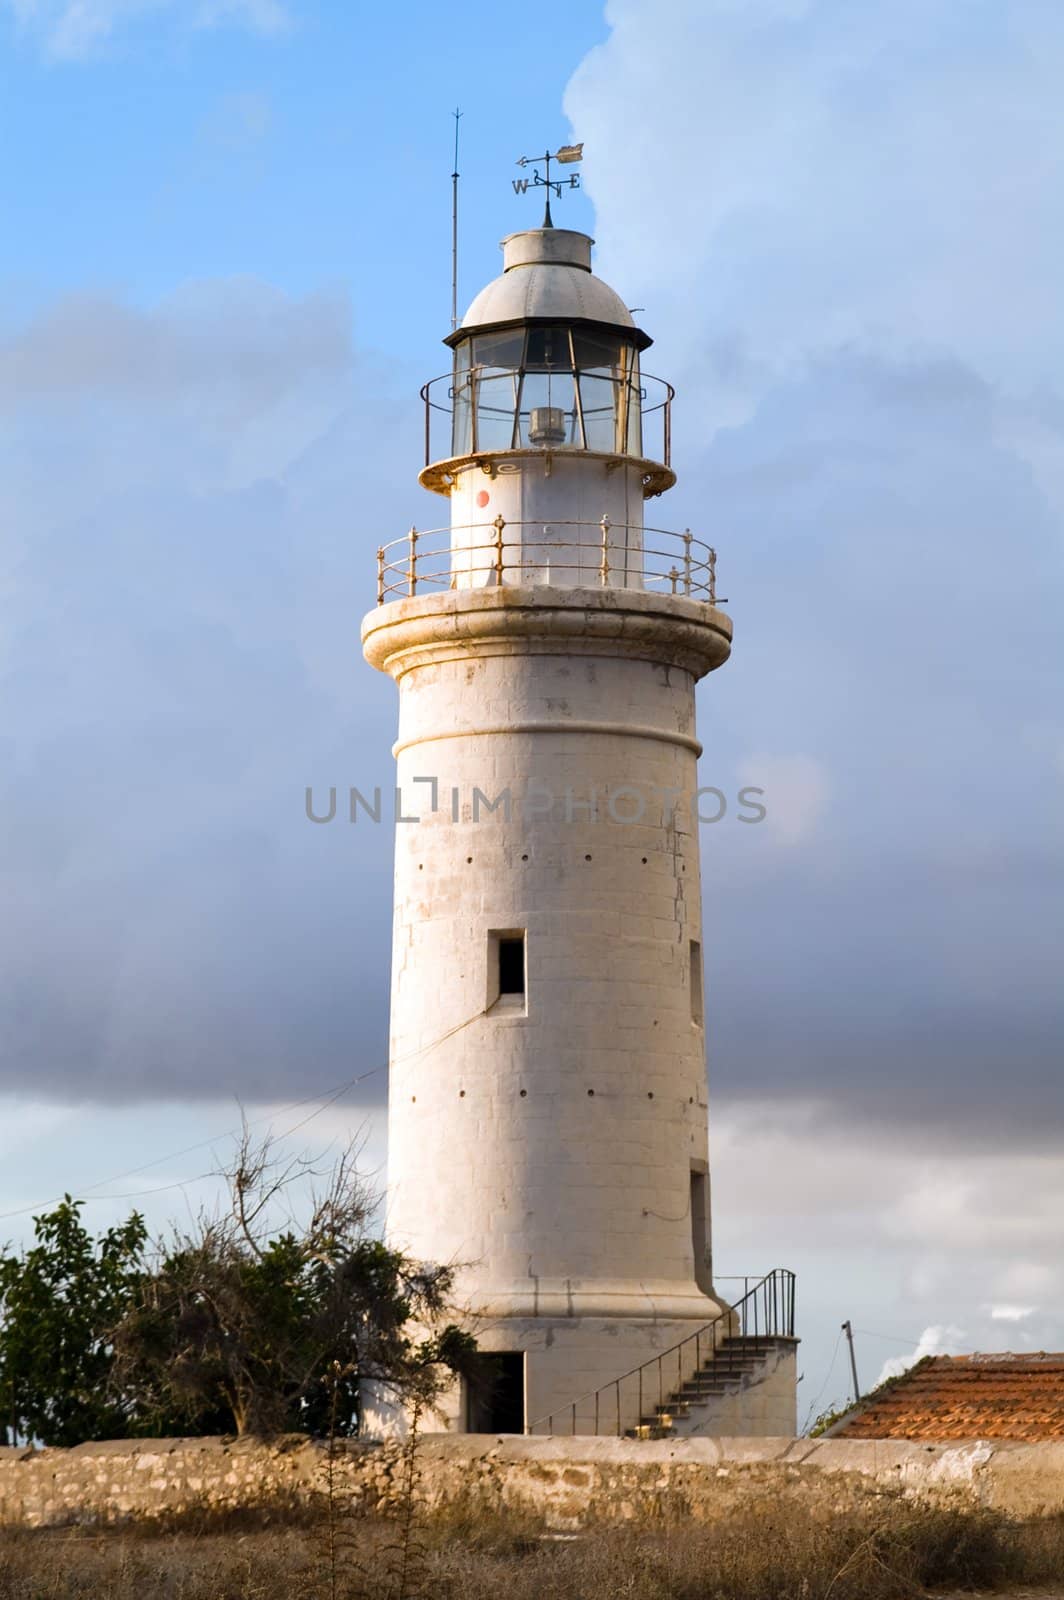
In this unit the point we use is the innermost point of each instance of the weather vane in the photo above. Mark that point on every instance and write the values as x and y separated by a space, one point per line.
567 155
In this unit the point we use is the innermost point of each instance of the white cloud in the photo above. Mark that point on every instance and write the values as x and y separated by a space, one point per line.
1037 1279
796 791
1011 1313
72 30
934 1341
800 1184
264 16
890 176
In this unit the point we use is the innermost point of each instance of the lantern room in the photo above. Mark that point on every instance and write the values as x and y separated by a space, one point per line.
547 385
547 358
547 435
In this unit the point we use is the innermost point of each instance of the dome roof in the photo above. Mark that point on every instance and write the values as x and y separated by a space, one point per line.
547 275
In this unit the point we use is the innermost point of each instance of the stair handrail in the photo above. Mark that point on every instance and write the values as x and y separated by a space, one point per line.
775 1289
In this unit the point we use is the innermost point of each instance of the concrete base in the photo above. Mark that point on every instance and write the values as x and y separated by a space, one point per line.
579 1371
762 1404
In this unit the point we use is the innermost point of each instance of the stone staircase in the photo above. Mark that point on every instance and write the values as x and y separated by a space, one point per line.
749 1379
745 1387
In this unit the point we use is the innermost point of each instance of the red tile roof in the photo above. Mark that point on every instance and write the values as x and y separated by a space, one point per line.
965 1397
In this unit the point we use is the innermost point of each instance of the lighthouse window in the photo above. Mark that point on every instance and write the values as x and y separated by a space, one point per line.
596 350
598 396
546 387
512 965
609 393
506 968
462 413
496 402
700 1235
500 350
548 348
696 982
548 414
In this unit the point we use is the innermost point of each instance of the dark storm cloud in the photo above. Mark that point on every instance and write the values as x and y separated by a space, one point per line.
850 256
181 659
896 580
868 428
184 664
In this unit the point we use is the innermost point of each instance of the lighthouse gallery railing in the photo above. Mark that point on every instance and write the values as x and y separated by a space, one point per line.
489 408
764 1312
572 554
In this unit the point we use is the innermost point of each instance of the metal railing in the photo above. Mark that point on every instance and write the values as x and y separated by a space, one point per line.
568 554
491 408
765 1311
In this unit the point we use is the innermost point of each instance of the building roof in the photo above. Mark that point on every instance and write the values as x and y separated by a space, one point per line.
547 274
965 1397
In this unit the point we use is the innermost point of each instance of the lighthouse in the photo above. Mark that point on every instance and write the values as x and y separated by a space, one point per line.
547 1124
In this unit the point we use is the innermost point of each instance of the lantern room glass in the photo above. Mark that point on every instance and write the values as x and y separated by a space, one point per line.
546 386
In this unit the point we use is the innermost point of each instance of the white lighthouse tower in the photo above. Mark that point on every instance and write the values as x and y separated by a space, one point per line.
547 1115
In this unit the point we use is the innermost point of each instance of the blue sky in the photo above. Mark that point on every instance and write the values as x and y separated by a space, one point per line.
225 275
314 152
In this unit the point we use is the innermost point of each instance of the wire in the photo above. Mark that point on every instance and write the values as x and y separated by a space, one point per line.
326 1101
137 1194
330 1098
813 1413
896 1338
162 1188
891 1338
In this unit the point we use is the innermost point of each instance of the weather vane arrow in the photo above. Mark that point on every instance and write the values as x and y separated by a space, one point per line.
566 155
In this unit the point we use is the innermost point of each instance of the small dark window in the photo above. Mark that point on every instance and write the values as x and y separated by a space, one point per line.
696 982
512 965
496 1395
700 1235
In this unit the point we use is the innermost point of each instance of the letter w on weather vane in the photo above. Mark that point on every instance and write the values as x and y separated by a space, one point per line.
567 155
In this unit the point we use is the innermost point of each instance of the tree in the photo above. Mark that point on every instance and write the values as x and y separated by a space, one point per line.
230 1327
58 1302
242 1318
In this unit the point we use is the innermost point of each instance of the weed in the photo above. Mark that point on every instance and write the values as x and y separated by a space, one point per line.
885 1549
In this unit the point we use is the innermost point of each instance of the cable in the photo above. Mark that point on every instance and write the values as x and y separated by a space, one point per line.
162 1188
813 1413
327 1101
891 1338
896 1338
138 1194
331 1096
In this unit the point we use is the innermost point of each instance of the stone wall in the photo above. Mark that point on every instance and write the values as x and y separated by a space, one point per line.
568 1481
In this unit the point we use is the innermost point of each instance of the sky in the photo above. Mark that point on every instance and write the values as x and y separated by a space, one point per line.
225 274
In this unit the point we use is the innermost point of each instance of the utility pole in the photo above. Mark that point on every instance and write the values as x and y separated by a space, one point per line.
848 1331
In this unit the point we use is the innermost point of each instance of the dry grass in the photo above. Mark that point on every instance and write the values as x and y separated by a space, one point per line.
888 1550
